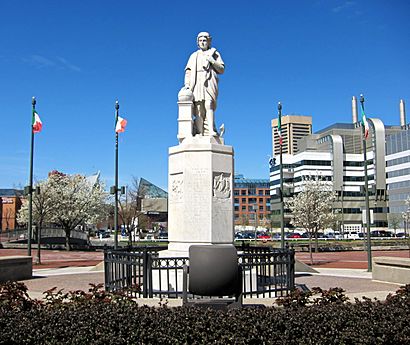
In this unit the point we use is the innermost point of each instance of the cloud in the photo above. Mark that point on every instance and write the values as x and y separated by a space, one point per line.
344 6
68 64
39 61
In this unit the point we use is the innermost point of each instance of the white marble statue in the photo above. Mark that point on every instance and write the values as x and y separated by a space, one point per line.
201 77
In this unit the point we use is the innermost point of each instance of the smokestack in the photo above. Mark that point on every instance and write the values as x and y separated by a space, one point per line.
354 109
402 114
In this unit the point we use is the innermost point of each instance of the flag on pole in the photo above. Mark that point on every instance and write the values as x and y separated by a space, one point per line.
120 125
280 129
365 124
37 124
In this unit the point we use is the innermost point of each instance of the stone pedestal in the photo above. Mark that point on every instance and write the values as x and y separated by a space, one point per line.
200 210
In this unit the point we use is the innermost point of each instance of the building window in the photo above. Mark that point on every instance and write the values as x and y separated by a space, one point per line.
243 208
243 192
243 200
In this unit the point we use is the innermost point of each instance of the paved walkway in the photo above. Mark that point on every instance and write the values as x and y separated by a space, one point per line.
76 270
59 258
356 282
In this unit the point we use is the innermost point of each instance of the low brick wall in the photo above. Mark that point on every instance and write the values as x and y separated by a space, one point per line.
391 269
15 268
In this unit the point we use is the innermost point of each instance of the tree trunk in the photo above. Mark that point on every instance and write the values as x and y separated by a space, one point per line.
129 229
67 239
310 248
316 243
38 258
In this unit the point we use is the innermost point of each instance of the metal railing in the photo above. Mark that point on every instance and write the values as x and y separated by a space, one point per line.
46 232
141 272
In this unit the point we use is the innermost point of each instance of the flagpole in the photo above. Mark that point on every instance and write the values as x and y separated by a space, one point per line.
30 183
366 189
282 207
117 107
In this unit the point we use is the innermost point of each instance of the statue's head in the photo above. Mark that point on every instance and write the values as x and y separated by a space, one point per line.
204 40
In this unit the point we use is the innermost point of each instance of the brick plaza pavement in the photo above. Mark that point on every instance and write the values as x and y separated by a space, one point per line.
74 271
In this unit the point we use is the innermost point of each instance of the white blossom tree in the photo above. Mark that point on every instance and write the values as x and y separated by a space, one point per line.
73 201
312 208
76 201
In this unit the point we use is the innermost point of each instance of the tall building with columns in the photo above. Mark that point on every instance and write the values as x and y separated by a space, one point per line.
335 153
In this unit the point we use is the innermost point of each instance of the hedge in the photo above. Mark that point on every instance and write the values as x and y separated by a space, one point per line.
96 317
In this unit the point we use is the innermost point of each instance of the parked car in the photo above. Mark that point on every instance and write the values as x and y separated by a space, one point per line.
163 235
263 237
276 236
102 233
352 235
380 233
294 235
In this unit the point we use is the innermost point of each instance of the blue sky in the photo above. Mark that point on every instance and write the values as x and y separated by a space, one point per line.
78 57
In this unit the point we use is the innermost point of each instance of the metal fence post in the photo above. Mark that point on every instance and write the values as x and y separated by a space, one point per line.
106 272
149 276
291 268
145 274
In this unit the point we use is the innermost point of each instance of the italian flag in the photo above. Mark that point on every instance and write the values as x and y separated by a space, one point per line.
120 125
37 124
365 124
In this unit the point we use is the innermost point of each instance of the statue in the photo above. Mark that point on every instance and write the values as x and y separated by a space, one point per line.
201 77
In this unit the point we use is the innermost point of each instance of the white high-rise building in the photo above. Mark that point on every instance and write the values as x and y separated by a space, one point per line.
335 154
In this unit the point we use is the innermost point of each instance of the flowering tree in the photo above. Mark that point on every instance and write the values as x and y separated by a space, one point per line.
312 208
76 201
71 201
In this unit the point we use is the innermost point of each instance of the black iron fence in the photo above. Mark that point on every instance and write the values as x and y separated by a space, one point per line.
142 272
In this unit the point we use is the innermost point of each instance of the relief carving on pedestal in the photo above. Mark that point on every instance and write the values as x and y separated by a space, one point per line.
177 187
222 185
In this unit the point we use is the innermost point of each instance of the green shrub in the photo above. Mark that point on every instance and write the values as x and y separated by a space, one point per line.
97 317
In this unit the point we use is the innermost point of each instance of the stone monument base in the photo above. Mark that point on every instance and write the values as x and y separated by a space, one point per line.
200 211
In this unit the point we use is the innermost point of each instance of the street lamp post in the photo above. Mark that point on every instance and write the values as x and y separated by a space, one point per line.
256 220
282 207
115 189
29 188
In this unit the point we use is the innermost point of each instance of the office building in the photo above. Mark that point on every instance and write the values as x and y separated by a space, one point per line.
251 201
335 153
293 127
10 204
